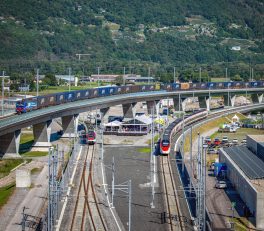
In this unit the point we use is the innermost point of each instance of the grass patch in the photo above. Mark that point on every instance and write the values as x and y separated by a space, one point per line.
240 134
26 137
5 193
7 165
241 224
156 138
144 150
209 126
26 142
219 79
35 154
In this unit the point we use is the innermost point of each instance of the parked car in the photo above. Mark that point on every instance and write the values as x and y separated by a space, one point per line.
244 141
235 141
211 151
217 142
225 139
207 140
221 184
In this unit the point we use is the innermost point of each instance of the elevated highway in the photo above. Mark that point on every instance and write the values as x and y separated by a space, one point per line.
10 128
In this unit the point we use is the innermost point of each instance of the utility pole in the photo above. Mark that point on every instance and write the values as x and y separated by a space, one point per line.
113 180
37 82
191 158
252 74
98 73
3 91
124 74
70 78
148 74
226 74
200 74
183 141
174 75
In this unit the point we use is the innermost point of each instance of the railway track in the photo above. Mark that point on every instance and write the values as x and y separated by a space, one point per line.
171 196
87 214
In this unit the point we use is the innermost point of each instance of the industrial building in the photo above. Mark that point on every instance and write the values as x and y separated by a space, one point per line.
245 170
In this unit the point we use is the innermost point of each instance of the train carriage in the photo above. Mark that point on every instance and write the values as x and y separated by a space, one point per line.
69 96
60 97
91 137
220 85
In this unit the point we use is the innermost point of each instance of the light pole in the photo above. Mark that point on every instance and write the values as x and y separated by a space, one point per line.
98 73
69 79
3 91
37 82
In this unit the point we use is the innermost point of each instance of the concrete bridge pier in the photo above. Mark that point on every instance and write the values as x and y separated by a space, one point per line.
128 110
152 105
229 100
9 145
178 103
103 112
69 125
204 102
42 132
257 98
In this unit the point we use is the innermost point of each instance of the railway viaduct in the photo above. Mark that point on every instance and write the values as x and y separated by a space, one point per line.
10 128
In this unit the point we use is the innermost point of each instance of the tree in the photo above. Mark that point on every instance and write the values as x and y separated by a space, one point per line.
119 80
50 80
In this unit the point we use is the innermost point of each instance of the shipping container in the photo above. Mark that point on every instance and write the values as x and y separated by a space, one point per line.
167 87
157 86
103 91
85 94
78 95
211 85
238 85
152 88
229 84
51 99
220 85
255 84
176 86
112 90
69 96
42 101
185 86
94 93
195 86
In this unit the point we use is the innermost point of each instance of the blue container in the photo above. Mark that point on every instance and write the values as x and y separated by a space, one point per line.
103 91
86 94
176 86
78 95
211 85
228 84
60 97
239 85
112 90
220 85
219 169
69 96
255 84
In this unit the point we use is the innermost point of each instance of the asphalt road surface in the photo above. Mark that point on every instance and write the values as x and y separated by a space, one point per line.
131 164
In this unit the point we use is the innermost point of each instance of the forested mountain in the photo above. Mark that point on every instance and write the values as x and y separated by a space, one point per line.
49 33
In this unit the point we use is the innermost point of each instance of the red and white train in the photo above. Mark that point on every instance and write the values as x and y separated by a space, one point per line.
176 126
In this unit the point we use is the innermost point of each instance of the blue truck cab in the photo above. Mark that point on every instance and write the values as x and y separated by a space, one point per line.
24 106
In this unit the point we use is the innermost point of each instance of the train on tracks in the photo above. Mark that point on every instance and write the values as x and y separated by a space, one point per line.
176 126
38 102
88 137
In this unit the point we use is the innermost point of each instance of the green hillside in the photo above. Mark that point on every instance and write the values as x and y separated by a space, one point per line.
118 33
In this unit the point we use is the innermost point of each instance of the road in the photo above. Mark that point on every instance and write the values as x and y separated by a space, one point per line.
131 164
